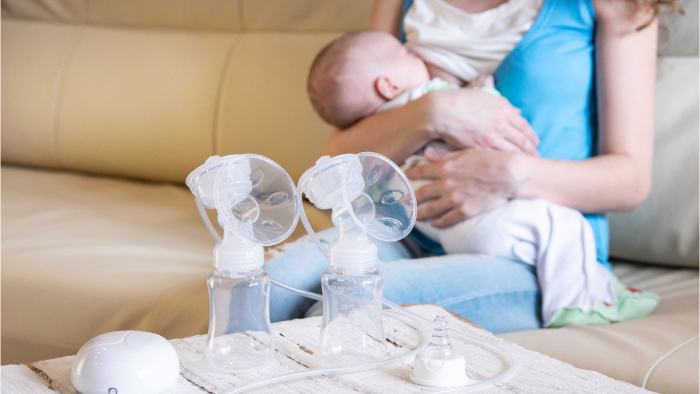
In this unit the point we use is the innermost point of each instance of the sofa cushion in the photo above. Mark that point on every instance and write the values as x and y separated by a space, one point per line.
658 352
85 255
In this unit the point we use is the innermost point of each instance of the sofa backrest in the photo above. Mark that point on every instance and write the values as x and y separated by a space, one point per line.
150 89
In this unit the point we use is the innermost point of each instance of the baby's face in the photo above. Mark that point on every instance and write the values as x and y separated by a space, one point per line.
407 69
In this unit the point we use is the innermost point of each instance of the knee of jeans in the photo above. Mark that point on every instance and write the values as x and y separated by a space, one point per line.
501 312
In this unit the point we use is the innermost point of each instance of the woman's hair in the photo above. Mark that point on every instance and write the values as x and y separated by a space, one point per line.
653 8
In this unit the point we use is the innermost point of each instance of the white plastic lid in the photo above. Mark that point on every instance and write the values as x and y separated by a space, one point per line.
380 196
255 198
439 365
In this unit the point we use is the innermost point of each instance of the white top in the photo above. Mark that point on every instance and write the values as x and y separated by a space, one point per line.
467 45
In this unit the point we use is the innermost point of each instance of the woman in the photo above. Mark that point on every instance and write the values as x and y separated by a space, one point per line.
605 166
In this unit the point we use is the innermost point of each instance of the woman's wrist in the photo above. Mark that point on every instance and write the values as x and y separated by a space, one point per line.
521 171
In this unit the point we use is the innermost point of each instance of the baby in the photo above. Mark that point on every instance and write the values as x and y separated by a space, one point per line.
362 73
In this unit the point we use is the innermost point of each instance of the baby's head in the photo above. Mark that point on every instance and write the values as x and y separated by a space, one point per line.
358 72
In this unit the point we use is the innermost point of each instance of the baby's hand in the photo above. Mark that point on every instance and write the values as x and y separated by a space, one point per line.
482 81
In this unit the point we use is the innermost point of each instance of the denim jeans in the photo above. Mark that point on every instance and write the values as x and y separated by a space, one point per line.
498 294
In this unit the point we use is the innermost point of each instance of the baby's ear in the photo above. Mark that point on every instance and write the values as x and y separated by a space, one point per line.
386 88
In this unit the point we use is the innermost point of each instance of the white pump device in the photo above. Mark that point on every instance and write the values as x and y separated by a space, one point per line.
258 206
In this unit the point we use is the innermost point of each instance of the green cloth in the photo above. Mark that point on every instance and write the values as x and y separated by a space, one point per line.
631 304
439 84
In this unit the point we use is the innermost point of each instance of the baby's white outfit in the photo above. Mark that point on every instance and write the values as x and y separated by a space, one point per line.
555 239
484 38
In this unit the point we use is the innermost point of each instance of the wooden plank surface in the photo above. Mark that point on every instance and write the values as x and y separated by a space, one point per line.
296 345
22 379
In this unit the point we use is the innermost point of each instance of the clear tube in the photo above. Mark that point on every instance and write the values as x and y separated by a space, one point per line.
310 231
425 331
205 218
304 293
337 370
302 216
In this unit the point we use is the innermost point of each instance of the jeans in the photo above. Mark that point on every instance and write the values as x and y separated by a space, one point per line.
500 295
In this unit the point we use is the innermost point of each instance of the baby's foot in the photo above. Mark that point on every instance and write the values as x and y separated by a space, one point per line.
482 81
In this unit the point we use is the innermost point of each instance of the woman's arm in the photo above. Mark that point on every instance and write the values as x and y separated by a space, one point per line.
464 118
619 179
396 134
386 16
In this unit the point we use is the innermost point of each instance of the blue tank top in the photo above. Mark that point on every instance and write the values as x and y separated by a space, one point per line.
550 76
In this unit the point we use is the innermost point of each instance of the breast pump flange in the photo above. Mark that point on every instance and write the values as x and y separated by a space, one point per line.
369 195
257 205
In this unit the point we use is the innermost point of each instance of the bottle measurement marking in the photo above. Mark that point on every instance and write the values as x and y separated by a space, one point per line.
348 308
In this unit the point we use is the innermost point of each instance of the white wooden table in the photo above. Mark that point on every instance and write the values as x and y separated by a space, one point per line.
296 343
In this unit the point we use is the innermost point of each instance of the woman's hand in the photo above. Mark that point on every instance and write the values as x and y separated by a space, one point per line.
466 183
472 118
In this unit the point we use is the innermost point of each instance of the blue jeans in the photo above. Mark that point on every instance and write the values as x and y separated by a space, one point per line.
498 294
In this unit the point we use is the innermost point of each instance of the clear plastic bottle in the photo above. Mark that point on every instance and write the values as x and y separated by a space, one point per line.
240 336
352 331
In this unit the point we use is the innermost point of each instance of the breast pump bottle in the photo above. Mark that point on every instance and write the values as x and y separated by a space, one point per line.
369 194
257 205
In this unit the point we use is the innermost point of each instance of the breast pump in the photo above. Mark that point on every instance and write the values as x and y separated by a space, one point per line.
258 205
368 196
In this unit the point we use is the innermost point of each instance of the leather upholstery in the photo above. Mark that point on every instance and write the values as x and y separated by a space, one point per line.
149 89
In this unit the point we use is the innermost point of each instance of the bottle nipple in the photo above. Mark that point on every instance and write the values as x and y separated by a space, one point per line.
439 365
440 347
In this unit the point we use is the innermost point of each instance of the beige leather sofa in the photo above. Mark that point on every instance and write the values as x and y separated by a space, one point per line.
107 105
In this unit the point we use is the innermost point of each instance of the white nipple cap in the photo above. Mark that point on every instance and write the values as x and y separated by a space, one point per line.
439 365
255 198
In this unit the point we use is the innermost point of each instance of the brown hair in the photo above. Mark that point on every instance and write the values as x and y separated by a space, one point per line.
654 8
341 79
330 79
